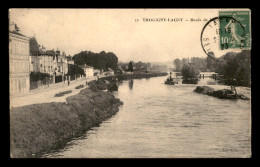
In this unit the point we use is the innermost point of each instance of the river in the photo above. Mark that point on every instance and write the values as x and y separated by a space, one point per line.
166 121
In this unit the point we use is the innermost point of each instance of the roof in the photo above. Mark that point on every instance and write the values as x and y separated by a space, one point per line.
17 33
50 52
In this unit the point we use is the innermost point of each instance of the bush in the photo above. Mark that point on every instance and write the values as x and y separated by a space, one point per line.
189 71
80 86
63 93
37 76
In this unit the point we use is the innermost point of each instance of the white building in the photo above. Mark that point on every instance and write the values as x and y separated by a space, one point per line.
88 70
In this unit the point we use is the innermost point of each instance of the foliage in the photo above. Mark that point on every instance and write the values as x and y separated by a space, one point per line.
37 76
100 60
199 63
178 65
75 70
130 66
34 46
237 69
189 71
62 93
184 60
79 87
141 66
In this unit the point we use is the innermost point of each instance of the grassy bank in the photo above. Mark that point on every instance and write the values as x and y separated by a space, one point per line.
37 128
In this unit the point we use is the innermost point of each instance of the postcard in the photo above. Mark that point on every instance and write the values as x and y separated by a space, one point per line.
130 83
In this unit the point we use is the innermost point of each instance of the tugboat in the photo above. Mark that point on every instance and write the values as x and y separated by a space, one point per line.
169 80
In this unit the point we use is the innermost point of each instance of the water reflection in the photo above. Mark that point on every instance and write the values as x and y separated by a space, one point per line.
190 81
131 84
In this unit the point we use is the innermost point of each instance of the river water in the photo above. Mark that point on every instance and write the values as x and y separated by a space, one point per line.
166 121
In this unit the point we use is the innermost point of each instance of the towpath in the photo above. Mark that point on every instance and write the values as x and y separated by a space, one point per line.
47 95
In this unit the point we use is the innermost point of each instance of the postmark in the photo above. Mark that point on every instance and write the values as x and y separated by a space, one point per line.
227 32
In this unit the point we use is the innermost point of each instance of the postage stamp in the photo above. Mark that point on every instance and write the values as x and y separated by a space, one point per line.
230 31
234 30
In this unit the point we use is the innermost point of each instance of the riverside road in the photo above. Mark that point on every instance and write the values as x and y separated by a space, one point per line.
47 95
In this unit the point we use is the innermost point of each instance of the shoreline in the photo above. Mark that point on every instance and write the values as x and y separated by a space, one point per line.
224 92
37 128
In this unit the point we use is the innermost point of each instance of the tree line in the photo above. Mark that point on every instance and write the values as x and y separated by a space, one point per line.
100 60
235 68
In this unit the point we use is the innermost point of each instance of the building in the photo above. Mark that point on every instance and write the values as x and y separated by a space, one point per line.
47 61
70 60
54 59
41 60
62 64
88 70
19 61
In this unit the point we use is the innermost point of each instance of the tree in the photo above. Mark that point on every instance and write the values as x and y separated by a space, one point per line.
37 76
75 70
210 61
130 66
199 63
237 70
100 60
178 65
185 61
189 72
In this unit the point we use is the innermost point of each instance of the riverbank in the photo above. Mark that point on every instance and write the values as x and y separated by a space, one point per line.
224 93
41 126
135 76
37 128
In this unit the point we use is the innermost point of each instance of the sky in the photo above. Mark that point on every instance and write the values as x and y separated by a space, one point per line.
117 31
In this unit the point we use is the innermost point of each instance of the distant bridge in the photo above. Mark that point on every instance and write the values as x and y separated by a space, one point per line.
208 74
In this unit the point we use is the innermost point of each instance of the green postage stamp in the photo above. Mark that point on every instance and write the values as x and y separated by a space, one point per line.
235 30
